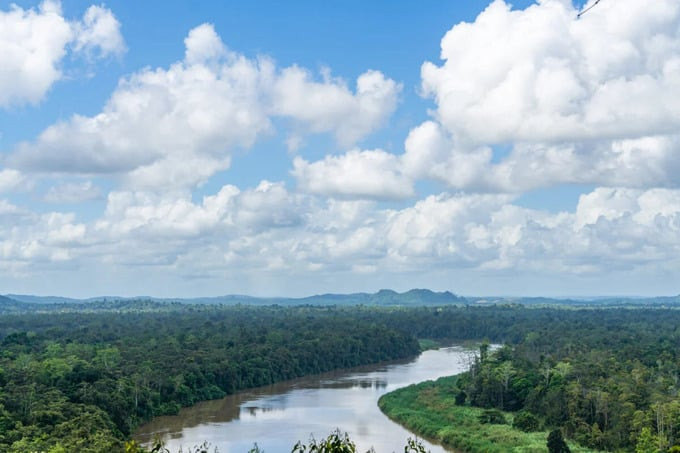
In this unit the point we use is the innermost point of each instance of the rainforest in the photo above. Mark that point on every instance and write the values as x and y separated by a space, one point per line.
82 377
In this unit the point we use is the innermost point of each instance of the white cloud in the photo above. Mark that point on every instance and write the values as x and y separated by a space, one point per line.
431 154
171 129
99 32
440 228
273 233
645 162
643 207
586 101
8 209
163 128
10 180
268 227
230 211
637 163
329 106
30 242
540 74
577 101
33 44
203 45
72 192
362 174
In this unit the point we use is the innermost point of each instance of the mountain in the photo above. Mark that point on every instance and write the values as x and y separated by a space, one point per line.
385 297
42 299
414 297
8 305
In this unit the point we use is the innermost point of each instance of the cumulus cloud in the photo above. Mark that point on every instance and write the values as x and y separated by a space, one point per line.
29 241
72 192
438 228
99 32
489 232
576 101
268 227
330 106
586 101
432 154
269 205
34 42
203 44
165 128
362 174
645 162
10 180
273 231
539 74
176 127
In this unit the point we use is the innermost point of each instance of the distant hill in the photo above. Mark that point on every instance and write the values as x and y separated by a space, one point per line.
8 305
414 297
384 297
42 299
660 301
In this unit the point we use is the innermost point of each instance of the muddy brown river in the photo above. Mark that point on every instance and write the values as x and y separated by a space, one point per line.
277 416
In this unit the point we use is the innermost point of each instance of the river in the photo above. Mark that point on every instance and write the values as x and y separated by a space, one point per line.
277 416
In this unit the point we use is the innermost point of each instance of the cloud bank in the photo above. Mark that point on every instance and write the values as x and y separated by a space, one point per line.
522 100
177 127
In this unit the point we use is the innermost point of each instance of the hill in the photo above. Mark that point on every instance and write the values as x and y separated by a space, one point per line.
384 297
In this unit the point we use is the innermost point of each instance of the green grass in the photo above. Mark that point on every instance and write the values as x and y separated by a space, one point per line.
426 343
428 409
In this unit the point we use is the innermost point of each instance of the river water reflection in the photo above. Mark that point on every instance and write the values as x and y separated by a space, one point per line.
277 416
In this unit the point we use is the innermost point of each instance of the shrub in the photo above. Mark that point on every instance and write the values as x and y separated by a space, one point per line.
526 421
492 417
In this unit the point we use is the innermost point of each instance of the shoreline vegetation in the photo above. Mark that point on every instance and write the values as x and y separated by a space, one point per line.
81 378
607 379
429 410
85 381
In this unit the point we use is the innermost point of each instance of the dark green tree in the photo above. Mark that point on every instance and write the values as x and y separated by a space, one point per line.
336 442
526 421
556 443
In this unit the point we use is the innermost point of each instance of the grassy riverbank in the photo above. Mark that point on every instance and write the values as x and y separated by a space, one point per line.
428 409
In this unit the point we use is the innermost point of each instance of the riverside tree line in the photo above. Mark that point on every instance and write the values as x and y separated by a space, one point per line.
82 378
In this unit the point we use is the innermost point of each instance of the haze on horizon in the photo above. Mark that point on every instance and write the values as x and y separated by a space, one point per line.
287 150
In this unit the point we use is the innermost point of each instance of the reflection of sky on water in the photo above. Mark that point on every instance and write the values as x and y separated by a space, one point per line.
277 416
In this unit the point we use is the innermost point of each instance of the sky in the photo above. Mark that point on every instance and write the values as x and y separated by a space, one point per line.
179 149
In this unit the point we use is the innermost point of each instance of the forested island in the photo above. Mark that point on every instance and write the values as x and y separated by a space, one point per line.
82 377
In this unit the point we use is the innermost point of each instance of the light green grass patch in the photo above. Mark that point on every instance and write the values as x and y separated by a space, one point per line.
429 410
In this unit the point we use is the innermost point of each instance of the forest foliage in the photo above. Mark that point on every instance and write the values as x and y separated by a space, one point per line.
84 381
609 381
83 378
430 410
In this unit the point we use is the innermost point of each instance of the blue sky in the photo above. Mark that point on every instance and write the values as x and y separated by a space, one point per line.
269 148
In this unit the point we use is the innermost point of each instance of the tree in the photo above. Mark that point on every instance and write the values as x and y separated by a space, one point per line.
484 351
526 421
556 443
336 442
647 442
414 446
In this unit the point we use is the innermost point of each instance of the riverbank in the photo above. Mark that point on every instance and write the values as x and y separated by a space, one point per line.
428 409
278 416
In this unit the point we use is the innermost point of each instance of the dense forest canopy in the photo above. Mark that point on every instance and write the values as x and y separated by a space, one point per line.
84 381
84 378
609 380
